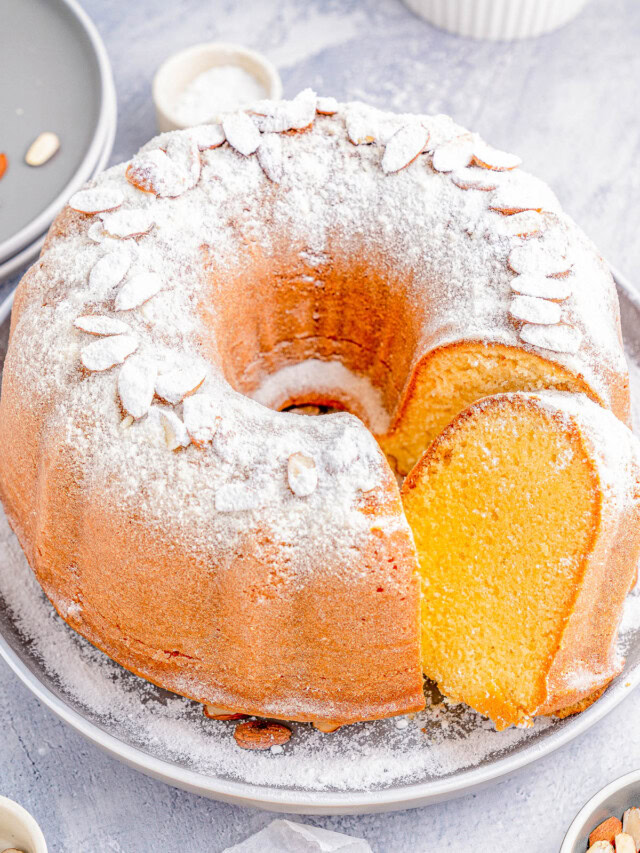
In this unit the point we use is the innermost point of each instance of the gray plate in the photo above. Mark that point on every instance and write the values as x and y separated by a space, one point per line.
167 737
55 76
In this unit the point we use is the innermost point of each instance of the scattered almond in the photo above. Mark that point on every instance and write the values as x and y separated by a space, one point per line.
624 843
491 158
107 352
175 432
531 284
42 149
558 338
181 381
531 309
241 132
601 847
302 474
606 831
535 257
109 272
128 223
631 825
472 178
201 418
137 290
3 164
326 106
98 324
326 728
404 147
212 712
136 385
454 155
208 136
261 734
270 156
96 200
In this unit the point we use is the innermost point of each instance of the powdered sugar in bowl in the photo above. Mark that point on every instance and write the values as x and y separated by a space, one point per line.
196 85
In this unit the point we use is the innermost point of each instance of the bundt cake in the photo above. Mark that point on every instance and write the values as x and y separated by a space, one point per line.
526 516
305 252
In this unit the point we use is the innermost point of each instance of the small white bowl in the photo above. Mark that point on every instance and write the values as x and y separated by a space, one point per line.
614 799
18 829
497 19
179 70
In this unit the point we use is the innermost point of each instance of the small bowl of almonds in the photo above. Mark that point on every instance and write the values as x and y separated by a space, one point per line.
610 821
19 832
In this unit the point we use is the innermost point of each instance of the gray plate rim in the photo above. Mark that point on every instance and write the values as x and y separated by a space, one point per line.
322 802
37 226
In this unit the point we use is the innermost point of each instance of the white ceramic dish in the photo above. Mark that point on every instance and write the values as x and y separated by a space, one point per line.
614 799
73 98
497 19
168 738
19 829
179 70
24 257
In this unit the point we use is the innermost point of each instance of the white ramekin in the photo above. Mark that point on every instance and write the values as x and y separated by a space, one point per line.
614 799
179 70
497 19
18 829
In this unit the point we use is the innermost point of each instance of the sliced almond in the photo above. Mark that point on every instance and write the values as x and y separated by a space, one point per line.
99 324
533 284
454 155
326 728
175 432
261 734
525 224
270 156
96 200
624 843
136 385
137 290
241 132
180 381
107 352
472 178
362 124
282 116
167 173
560 338
530 309
213 712
606 831
208 136
201 418
631 825
302 474
42 149
536 257
492 158
405 145
601 847
326 106
109 272
96 232
128 223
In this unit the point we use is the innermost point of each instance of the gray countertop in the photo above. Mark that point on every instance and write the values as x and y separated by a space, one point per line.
569 104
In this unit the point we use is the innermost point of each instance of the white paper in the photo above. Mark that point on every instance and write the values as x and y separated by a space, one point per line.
283 836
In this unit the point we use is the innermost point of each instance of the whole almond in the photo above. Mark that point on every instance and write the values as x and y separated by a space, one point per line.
606 831
261 734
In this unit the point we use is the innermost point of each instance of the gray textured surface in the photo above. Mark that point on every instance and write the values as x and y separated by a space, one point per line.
568 103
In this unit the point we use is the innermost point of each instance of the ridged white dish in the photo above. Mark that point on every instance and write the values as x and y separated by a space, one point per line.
497 19
167 737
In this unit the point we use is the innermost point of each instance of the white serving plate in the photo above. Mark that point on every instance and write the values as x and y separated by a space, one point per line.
73 98
363 768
